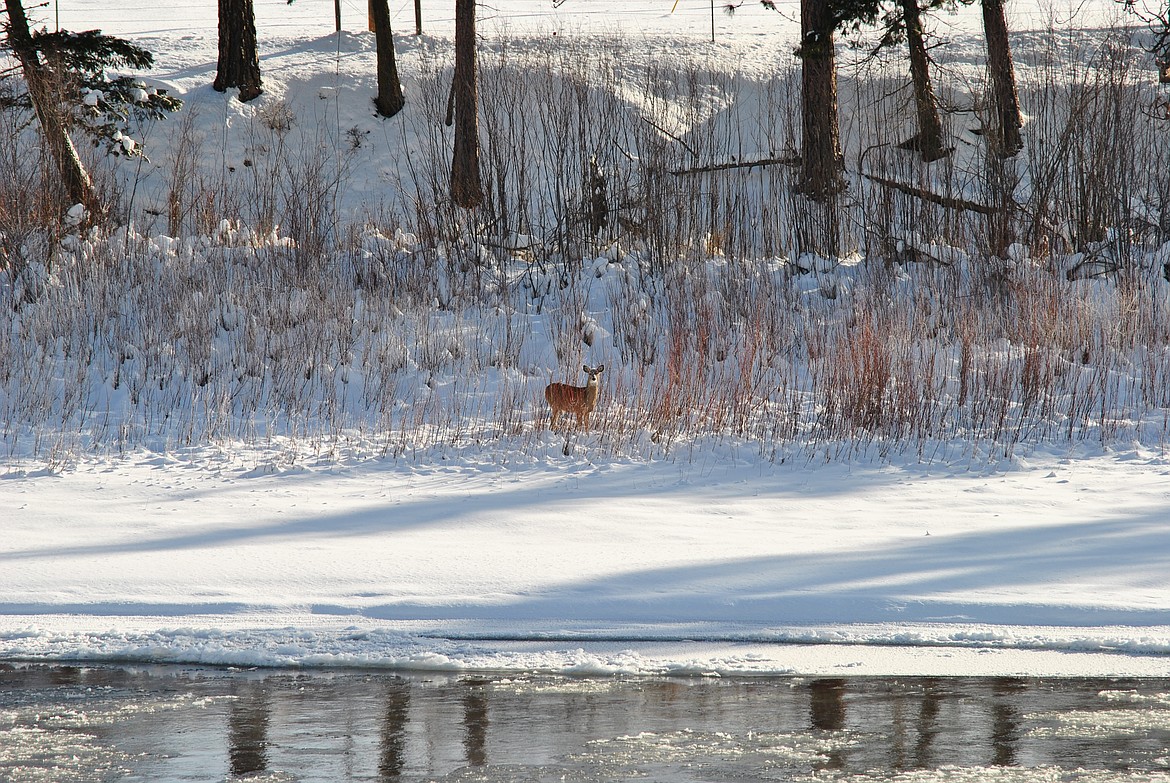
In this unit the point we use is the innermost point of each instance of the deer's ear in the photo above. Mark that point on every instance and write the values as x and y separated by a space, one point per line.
586 367
600 367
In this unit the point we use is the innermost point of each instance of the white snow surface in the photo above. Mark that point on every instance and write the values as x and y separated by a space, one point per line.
721 565
712 563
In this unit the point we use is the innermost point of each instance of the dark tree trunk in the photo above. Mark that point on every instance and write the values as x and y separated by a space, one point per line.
44 91
466 188
390 100
821 163
1005 99
929 141
239 65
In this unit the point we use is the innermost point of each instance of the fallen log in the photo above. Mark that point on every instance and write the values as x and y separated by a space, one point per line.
739 164
950 202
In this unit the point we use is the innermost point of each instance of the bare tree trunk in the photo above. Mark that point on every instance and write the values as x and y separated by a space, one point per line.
390 99
929 141
1005 99
466 189
239 65
43 89
821 162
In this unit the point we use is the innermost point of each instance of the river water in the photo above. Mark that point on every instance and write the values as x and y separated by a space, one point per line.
164 724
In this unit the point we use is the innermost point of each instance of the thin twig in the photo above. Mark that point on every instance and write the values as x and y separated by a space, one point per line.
664 131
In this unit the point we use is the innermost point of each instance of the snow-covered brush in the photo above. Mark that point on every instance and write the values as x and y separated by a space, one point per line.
105 107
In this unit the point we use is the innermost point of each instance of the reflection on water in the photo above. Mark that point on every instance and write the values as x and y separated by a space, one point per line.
827 713
248 728
827 704
928 728
106 723
392 757
1005 720
475 722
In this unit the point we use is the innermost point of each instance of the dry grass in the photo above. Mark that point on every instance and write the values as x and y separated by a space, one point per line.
949 332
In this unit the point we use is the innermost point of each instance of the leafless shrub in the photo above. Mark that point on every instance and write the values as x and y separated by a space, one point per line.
637 215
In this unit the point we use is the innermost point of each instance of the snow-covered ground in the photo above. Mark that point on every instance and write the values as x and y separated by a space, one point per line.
682 20
1047 565
329 77
713 561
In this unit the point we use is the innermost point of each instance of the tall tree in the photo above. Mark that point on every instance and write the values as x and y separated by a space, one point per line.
69 92
929 141
239 65
1005 100
44 90
821 162
466 187
902 20
822 165
390 99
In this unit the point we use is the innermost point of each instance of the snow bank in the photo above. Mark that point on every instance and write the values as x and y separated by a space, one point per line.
681 568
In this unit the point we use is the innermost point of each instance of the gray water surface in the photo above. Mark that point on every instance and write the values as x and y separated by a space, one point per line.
163 724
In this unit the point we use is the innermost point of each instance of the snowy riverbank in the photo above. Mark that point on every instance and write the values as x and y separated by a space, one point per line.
1044 566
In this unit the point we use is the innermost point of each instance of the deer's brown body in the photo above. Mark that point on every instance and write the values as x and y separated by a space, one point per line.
578 400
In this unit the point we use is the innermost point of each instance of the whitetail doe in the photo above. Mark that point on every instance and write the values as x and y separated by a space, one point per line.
580 400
